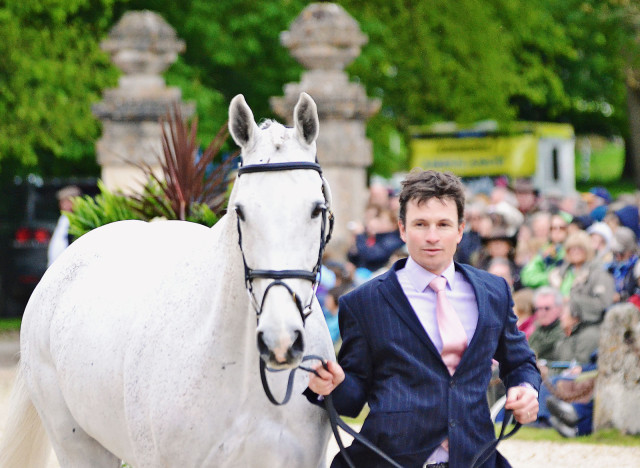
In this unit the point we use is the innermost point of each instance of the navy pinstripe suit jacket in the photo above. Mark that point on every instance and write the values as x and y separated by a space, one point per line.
391 364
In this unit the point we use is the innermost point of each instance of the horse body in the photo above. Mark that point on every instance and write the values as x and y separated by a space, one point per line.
139 344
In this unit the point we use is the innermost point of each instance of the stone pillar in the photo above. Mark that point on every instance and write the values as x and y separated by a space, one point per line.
143 46
325 39
617 393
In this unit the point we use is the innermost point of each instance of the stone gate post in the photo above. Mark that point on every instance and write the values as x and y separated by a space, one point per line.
325 39
143 45
617 393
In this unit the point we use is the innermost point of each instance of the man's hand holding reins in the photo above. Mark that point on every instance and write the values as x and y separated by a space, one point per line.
523 401
327 378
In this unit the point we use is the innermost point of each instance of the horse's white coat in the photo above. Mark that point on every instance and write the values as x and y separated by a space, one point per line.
140 342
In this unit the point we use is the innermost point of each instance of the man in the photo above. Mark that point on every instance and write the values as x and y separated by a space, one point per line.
60 238
427 394
526 195
625 256
548 307
581 337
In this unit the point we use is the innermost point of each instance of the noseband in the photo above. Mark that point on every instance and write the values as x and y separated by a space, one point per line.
277 276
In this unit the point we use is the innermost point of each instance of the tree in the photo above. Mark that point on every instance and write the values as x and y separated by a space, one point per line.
461 61
52 70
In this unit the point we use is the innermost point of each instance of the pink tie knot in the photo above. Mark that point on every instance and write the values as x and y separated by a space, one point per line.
438 283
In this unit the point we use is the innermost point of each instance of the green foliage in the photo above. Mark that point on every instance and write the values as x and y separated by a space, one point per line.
107 207
51 71
462 61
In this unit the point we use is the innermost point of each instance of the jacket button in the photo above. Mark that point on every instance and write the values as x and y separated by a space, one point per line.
452 423
452 384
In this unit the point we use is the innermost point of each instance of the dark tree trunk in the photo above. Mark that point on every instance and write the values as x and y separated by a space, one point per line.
632 164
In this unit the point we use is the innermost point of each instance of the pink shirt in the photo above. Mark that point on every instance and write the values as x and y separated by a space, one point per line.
415 280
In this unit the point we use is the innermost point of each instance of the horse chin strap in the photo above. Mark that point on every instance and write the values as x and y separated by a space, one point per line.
279 275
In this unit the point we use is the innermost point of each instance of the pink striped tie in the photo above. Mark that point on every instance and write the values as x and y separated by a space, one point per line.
454 338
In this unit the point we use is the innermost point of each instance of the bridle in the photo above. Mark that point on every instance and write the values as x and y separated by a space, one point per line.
277 276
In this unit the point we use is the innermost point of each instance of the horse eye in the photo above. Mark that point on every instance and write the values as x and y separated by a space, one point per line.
317 209
239 212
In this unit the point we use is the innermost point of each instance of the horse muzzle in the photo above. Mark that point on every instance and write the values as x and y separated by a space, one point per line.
282 350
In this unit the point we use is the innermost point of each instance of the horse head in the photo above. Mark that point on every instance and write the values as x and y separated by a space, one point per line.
281 204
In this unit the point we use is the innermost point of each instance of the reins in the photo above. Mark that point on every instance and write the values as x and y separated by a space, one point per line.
337 422
277 277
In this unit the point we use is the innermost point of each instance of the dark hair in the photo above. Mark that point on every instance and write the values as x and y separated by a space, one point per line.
422 186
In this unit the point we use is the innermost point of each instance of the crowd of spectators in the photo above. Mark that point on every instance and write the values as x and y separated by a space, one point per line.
567 257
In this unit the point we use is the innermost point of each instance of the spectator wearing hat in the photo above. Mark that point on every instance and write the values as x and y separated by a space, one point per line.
626 216
597 202
526 196
625 253
536 273
60 239
588 286
499 244
601 237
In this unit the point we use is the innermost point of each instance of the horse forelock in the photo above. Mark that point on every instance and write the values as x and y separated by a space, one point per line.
275 143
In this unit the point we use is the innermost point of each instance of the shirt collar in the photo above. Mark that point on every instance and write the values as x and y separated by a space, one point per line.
420 278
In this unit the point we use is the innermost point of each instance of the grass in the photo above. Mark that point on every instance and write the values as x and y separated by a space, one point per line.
9 324
603 437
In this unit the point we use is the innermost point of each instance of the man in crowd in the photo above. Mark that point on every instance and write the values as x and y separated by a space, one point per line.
548 307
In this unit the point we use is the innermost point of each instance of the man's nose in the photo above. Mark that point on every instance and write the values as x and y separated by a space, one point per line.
432 234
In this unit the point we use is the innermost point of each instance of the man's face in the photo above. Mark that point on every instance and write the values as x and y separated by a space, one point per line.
558 232
432 233
546 310
526 200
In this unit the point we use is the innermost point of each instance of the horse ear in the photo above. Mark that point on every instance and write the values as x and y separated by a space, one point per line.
326 190
305 117
241 122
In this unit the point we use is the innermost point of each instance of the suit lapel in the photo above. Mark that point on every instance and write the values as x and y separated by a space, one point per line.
481 301
392 292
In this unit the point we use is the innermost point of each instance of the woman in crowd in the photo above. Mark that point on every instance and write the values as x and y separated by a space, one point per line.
588 286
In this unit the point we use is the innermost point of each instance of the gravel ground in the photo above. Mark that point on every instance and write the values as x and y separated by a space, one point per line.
521 454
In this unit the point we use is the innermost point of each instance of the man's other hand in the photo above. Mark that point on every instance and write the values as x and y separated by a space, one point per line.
327 379
523 401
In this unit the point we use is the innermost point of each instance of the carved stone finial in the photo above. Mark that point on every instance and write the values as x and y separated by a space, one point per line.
324 36
142 42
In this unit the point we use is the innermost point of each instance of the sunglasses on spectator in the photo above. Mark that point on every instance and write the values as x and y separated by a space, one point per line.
558 228
545 308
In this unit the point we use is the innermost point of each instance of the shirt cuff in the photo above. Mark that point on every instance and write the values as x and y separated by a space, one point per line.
528 385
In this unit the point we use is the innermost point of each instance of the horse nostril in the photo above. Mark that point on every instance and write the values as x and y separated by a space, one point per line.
262 347
298 344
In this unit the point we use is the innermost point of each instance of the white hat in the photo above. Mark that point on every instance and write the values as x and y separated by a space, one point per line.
603 230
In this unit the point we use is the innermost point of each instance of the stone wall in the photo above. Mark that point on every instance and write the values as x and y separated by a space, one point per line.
617 395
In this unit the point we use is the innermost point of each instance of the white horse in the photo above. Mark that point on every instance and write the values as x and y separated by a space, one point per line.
139 343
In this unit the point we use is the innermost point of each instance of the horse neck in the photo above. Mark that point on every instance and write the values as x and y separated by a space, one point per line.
232 303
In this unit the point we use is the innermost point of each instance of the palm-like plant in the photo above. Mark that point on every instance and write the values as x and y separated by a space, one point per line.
185 184
190 188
